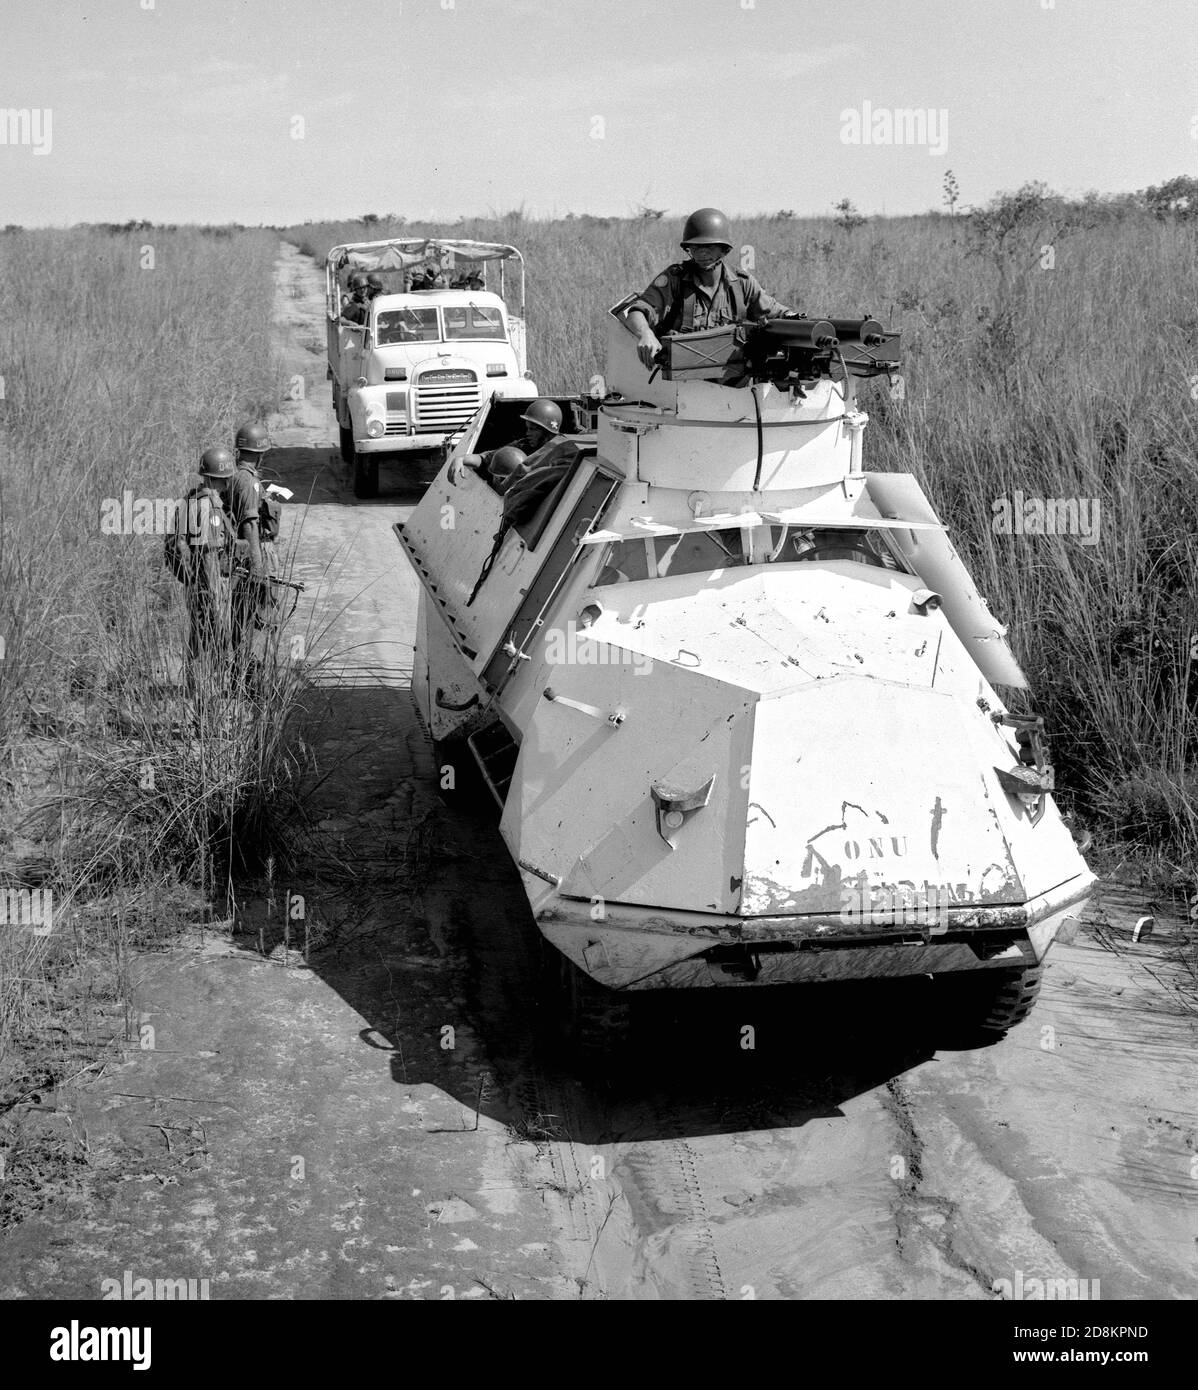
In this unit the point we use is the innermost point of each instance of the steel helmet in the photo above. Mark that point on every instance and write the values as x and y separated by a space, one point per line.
375 282
504 463
706 227
217 463
544 413
357 280
251 439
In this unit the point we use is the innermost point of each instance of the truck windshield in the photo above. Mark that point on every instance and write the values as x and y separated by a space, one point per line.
473 321
407 326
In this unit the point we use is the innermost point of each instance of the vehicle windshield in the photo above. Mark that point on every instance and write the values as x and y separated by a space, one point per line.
407 326
700 552
473 321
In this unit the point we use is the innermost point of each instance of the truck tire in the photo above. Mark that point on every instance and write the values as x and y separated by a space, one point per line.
983 1009
366 473
347 444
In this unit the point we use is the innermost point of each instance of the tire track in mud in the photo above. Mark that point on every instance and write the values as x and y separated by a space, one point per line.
502 975
633 1219
687 1263
702 1262
922 1218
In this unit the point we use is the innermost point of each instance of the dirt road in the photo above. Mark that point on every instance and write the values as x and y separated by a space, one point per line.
392 1122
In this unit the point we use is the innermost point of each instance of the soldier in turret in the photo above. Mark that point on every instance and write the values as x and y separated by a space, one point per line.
701 292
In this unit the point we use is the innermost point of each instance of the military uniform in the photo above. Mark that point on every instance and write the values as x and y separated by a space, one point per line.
677 302
355 311
245 496
206 538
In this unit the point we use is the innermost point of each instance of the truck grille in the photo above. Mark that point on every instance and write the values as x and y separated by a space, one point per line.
443 407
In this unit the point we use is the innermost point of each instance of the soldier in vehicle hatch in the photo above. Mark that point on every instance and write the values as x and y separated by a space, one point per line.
543 419
701 292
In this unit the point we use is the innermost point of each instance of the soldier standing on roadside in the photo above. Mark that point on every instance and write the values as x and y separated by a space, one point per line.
201 553
256 553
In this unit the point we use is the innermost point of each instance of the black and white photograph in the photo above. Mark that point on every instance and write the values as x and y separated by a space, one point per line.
599 664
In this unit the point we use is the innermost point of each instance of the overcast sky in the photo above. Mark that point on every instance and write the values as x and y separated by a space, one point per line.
285 110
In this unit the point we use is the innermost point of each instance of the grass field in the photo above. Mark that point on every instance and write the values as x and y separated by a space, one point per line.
123 357
1048 349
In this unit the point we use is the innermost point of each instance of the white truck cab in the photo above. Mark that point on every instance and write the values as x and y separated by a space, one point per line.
413 375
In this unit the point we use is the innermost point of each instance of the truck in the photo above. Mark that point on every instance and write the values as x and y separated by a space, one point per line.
741 713
409 378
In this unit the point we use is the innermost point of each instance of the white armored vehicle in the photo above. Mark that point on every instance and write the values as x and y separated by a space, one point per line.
740 708
419 363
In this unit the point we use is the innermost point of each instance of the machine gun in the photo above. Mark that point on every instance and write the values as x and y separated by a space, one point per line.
785 351
788 351
271 602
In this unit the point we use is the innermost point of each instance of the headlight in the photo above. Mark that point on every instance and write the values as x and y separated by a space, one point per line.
375 428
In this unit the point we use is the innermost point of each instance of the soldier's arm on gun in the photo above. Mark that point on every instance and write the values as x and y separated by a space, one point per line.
648 345
643 316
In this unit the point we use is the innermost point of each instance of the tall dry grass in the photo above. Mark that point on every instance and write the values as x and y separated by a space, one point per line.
1068 381
126 791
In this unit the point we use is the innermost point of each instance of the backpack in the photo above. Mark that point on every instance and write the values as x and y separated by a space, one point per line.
680 317
190 519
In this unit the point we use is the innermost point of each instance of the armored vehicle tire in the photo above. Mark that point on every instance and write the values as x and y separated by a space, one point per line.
347 444
366 473
984 1008
593 1023
458 778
